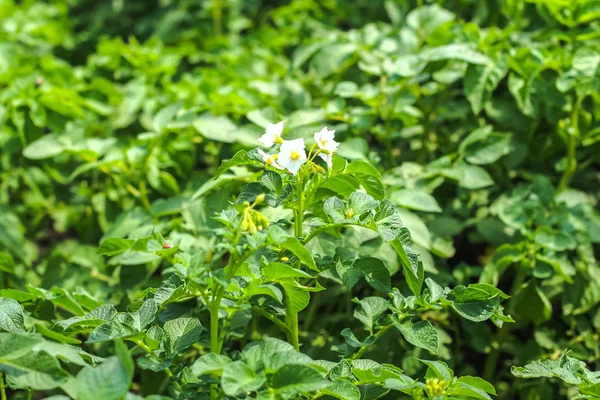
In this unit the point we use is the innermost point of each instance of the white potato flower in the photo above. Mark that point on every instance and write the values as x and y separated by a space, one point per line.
292 155
269 159
324 139
272 134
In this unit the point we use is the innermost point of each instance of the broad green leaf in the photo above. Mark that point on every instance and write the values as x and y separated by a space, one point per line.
411 266
110 380
46 147
438 369
238 378
292 379
455 51
113 246
479 383
426 19
565 368
209 363
277 270
472 176
421 334
369 310
7 263
297 299
481 80
26 367
240 158
11 316
415 200
375 272
219 129
293 244
165 116
181 333
473 303
94 318
483 146
343 390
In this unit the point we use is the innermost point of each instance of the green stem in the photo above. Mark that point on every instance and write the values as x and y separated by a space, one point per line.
489 370
217 17
379 334
291 317
272 318
144 195
571 142
291 320
214 322
2 389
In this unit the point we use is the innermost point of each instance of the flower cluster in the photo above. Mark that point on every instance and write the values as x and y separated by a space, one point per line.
292 153
434 387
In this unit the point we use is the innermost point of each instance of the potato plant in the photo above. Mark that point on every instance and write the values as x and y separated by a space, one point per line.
303 199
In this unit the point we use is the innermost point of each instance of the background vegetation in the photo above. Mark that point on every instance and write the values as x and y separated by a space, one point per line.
481 118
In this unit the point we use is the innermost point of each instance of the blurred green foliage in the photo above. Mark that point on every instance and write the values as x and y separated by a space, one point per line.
482 118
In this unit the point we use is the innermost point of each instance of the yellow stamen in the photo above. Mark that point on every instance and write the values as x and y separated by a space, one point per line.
278 139
295 155
284 259
269 161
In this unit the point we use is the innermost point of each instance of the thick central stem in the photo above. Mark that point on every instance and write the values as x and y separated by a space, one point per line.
291 316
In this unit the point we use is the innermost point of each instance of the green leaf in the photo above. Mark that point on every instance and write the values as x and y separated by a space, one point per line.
181 333
11 316
438 369
218 129
165 116
411 266
110 380
565 368
375 272
473 303
456 51
277 270
472 177
421 334
481 80
239 158
7 264
144 315
293 244
342 390
94 318
554 239
479 383
26 366
426 19
297 299
484 147
349 275
46 147
416 200
209 363
292 379
371 308
113 246
272 181
361 203
238 378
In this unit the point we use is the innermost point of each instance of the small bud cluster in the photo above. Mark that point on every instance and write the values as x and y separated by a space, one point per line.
252 220
434 387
